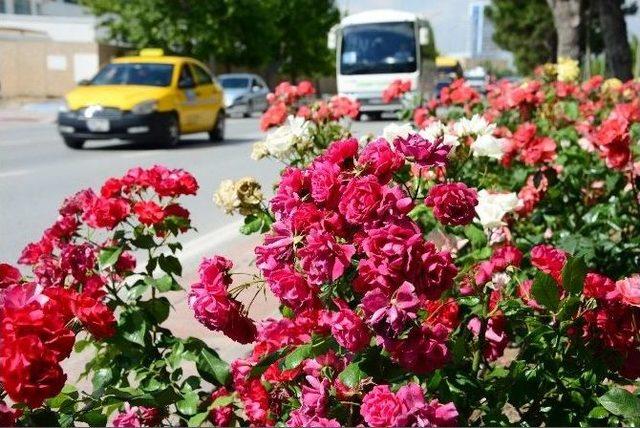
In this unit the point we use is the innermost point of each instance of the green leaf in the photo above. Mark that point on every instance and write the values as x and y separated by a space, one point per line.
144 242
198 419
252 224
133 326
476 236
189 403
297 356
308 350
266 361
621 403
94 418
573 275
157 308
109 256
170 264
102 377
212 368
598 413
352 375
545 291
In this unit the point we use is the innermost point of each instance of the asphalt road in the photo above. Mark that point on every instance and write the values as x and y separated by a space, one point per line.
37 172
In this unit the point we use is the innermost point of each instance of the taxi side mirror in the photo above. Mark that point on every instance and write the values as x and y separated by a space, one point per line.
255 88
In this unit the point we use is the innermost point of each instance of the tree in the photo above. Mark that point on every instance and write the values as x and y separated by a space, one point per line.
614 33
282 35
567 18
524 27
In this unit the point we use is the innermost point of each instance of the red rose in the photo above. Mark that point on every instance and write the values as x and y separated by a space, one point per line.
29 373
452 203
95 316
549 260
148 212
106 212
9 275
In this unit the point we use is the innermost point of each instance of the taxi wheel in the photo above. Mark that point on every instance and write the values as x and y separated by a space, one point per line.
73 143
217 133
172 132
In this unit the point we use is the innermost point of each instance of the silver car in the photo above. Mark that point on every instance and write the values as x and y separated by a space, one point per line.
244 93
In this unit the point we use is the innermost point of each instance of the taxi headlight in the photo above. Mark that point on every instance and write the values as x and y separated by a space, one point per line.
144 107
64 107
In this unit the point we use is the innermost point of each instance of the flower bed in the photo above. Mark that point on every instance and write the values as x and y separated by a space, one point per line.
480 268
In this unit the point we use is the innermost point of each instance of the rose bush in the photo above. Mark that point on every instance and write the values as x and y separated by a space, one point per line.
478 268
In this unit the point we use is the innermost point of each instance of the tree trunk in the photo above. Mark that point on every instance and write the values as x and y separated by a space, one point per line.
567 19
614 34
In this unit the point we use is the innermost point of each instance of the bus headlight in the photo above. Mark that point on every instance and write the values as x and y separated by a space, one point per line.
144 107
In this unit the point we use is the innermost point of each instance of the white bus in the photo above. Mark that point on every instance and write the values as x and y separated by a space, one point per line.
373 49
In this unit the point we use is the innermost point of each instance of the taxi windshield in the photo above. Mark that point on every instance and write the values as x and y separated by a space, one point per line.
147 74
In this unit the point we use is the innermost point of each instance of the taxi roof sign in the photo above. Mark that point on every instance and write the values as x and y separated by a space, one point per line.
151 52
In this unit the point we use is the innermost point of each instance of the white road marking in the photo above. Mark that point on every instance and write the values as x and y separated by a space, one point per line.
14 173
216 238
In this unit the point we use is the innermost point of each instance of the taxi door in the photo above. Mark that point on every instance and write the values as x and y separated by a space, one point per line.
207 99
187 104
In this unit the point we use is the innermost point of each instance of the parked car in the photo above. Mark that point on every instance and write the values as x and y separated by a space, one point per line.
150 98
477 78
244 93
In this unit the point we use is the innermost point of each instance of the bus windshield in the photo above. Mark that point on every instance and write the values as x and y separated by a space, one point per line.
388 47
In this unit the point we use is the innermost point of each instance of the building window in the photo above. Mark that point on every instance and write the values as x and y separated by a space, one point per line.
22 7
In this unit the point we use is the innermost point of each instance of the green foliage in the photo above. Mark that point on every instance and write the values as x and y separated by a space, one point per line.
514 18
286 36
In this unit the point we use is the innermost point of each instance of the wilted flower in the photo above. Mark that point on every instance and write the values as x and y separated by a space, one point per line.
250 195
227 197
259 150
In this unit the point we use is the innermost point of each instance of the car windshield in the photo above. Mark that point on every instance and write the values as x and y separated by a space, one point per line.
234 82
148 74
378 48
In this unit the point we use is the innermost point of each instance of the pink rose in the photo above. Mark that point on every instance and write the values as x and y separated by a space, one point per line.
325 182
380 160
323 259
380 407
292 288
360 199
347 328
423 152
629 289
388 317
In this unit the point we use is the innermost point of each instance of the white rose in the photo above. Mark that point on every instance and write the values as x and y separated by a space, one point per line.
227 196
436 130
279 143
492 207
394 130
298 125
477 125
489 146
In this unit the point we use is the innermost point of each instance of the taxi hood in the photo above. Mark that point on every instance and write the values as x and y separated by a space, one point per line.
118 96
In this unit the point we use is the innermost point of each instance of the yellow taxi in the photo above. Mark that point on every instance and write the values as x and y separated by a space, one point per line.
148 98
